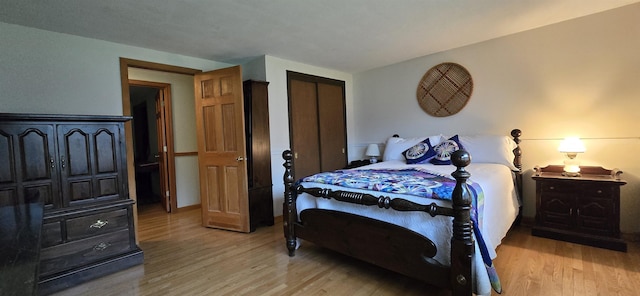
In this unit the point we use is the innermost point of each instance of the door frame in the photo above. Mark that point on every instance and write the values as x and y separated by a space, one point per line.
125 64
169 162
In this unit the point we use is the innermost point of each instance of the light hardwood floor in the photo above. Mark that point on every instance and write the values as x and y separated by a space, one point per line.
183 258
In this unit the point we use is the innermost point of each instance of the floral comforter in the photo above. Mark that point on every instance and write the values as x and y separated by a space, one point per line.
413 181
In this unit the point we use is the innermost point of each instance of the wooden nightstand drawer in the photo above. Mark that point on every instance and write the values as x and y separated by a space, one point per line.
600 191
557 187
96 224
77 253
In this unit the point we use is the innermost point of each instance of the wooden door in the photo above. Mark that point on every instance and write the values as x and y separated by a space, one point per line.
305 142
163 168
332 127
221 149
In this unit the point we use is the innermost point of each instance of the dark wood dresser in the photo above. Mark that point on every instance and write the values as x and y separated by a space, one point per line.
256 116
584 209
77 165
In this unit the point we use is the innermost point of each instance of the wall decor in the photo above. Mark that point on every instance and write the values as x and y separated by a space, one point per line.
445 89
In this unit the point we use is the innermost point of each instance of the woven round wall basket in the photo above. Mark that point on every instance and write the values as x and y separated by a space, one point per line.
445 89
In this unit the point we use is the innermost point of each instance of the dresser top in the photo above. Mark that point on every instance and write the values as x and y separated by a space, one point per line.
588 173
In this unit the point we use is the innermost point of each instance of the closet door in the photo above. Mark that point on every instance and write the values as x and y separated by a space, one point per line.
317 123
303 118
332 127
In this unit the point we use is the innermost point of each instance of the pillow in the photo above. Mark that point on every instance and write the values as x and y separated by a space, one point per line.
395 146
445 149
490 149
419 153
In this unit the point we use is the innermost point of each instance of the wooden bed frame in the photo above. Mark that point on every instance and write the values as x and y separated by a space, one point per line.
395 248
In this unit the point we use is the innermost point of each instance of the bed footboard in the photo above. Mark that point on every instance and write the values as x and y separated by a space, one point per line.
376 241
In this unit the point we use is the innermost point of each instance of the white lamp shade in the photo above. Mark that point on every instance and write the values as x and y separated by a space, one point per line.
572 145
372 150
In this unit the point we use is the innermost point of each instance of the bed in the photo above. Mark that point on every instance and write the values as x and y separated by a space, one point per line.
432 240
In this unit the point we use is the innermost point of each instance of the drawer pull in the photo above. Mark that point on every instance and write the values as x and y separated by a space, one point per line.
552 187
99 224
101 246
599 191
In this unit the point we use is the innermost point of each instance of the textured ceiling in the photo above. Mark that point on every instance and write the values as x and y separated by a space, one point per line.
345 35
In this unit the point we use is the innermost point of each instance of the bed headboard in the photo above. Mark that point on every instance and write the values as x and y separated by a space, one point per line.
504 154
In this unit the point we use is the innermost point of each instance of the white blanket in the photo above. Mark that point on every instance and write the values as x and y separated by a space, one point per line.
500 210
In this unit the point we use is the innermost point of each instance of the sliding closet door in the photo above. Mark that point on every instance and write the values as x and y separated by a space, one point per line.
317 123
332 127
305 142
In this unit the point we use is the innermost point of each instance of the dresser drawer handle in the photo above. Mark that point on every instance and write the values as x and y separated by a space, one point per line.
599 191
99 224
101 246
552 187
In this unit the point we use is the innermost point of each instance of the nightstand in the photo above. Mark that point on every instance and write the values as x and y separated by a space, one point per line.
584 209
358 163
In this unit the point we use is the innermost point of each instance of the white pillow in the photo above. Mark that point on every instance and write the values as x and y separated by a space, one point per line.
490 149
395 146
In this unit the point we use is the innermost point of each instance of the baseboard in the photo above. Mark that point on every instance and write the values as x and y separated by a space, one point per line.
528 221
631 237
278 219
187 208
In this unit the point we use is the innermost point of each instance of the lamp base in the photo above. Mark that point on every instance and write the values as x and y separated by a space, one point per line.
571 168
571 174
373 160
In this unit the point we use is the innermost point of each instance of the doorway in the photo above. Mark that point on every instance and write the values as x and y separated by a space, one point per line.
127 110
152 136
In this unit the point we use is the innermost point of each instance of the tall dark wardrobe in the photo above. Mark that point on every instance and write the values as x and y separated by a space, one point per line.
256 116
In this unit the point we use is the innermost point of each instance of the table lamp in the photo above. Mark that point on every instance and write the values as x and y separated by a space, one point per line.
571 146
373 152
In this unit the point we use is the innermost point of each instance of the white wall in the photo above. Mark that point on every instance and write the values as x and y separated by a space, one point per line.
47 72
578 77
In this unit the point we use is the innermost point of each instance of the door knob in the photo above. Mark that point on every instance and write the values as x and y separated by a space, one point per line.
240 158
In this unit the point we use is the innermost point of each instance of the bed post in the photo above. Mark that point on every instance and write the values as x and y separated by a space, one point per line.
462 245
289 208
517 162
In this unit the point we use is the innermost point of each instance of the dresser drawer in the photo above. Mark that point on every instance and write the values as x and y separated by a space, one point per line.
51 234
77 253
96 224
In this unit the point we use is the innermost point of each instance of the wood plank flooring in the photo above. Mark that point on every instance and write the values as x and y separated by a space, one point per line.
183 258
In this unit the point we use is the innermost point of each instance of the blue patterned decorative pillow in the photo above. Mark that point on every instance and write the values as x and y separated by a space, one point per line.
419 153
445 149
